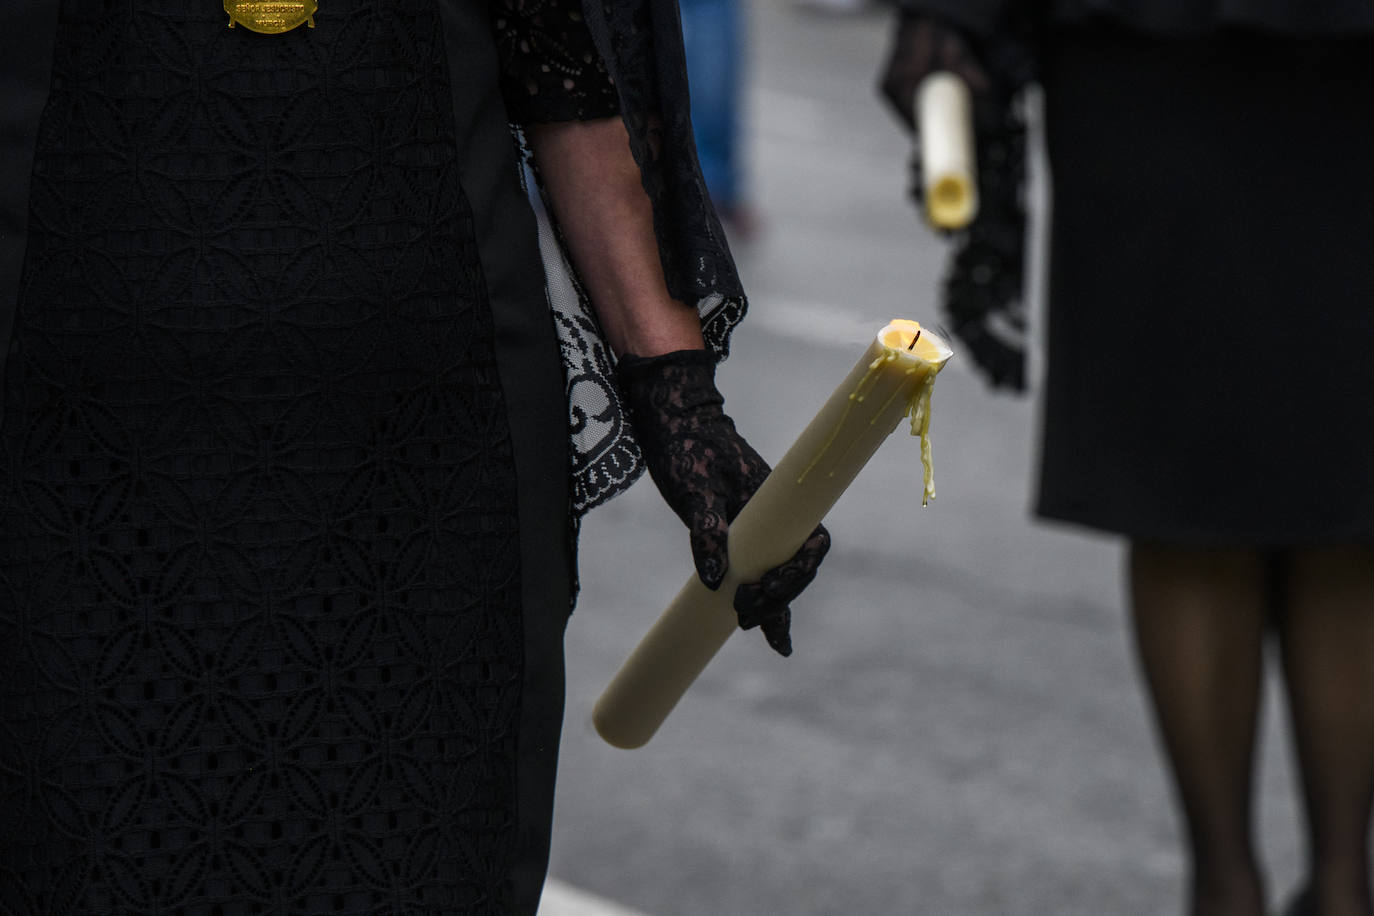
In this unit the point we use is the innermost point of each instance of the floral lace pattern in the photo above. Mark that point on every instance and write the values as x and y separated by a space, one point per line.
551 71
706 472
260 631
606 459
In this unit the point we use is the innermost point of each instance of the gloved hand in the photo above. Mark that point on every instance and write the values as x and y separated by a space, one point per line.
983 294
706 472
921 45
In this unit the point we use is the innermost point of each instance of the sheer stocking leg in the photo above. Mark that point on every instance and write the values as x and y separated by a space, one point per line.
1200 618
1326 633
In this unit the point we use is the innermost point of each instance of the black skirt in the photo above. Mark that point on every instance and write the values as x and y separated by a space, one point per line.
1211 291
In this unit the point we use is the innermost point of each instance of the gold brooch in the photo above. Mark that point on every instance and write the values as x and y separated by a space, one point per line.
271 17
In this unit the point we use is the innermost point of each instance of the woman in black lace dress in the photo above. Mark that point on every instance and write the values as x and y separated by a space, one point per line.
285 518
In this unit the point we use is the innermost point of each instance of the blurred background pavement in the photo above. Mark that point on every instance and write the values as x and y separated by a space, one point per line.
960 730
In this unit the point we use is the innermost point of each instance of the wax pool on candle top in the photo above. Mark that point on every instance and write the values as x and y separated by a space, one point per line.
898 339
906 336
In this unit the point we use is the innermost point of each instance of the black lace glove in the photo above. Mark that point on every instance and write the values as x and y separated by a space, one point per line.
921 46
706 472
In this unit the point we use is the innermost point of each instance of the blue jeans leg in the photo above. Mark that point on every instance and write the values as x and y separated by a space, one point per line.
711 35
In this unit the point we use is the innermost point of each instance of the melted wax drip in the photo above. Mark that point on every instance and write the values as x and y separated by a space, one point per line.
918 409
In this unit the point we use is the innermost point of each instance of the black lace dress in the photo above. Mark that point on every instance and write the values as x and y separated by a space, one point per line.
284 553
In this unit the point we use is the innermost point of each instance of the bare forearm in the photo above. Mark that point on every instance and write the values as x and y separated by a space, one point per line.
594 189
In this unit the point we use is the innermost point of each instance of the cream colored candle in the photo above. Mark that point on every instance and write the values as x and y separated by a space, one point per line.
944 126
891 381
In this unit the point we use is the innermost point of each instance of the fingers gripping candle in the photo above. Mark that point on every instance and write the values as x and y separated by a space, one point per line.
944 124
892 381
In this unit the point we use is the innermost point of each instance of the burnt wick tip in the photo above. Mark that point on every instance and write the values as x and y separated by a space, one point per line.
912 345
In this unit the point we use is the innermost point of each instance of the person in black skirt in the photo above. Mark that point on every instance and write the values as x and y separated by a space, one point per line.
1207 396
287 495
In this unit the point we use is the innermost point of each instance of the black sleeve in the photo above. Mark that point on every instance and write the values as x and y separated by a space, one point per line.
550 68
982 18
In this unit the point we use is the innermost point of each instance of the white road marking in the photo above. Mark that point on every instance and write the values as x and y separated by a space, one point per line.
565 900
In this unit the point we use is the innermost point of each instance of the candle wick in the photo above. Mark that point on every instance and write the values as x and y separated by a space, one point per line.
912 345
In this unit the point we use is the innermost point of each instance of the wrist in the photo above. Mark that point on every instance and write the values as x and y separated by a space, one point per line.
663 391
667 327
636 365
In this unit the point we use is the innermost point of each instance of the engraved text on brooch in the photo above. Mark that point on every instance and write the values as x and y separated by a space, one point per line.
271 17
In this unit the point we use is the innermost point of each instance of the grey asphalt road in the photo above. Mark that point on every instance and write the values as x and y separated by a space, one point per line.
961 729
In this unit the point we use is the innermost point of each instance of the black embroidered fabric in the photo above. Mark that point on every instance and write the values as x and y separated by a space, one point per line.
551 70
706 472
606 459
260 627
